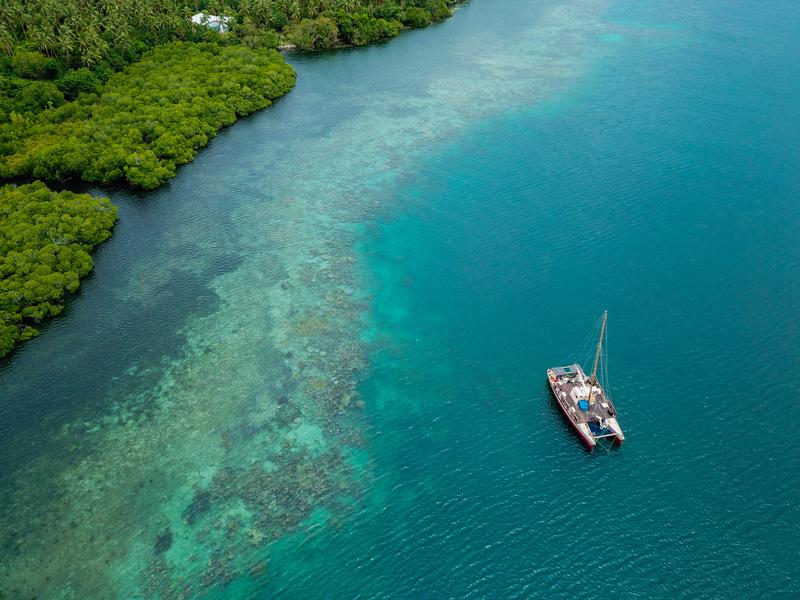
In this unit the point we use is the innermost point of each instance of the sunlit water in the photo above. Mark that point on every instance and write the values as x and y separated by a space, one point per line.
313 365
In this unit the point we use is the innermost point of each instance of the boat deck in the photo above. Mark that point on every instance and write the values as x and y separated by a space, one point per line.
571 388
600 406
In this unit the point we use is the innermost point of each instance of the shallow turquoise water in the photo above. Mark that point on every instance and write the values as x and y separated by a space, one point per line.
447 214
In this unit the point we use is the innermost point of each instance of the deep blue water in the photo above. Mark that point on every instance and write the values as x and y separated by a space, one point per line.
658 181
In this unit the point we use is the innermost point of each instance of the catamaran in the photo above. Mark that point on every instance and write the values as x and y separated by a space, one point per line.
584 402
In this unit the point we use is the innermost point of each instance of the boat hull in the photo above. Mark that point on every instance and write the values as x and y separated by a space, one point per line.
587 439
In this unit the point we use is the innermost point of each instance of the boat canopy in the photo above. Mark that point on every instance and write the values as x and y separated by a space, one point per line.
570 370
579 391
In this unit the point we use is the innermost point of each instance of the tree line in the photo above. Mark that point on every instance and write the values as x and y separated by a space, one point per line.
149 118
66 89
111 33
45 240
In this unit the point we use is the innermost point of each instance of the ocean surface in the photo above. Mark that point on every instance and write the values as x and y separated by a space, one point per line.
313 365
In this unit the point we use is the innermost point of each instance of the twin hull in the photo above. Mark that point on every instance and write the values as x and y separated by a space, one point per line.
599 421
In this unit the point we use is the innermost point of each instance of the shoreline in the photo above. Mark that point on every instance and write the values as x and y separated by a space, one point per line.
77 180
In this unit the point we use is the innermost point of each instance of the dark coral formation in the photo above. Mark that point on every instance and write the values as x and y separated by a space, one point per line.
163 542
201 504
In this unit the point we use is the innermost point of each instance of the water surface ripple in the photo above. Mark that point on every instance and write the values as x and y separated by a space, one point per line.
312 365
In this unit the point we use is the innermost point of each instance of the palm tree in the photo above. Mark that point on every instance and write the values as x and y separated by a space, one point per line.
6 39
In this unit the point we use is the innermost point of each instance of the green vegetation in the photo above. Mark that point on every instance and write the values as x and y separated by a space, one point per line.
47 40
149 118
360 23
45 240
313 34
66 113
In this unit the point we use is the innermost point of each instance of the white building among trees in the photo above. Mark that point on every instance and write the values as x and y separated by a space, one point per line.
215 22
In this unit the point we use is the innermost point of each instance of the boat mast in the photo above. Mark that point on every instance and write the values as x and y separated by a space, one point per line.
593 379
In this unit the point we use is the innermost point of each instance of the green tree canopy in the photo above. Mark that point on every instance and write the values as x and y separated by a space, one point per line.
45 240
314 34
149 118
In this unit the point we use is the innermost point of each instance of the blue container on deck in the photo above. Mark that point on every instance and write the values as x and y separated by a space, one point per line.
583 404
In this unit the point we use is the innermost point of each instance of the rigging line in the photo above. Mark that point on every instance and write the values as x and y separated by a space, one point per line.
604 358
608 379
579 355
599 331
584 353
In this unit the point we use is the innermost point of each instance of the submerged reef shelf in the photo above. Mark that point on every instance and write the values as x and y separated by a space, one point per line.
187 485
